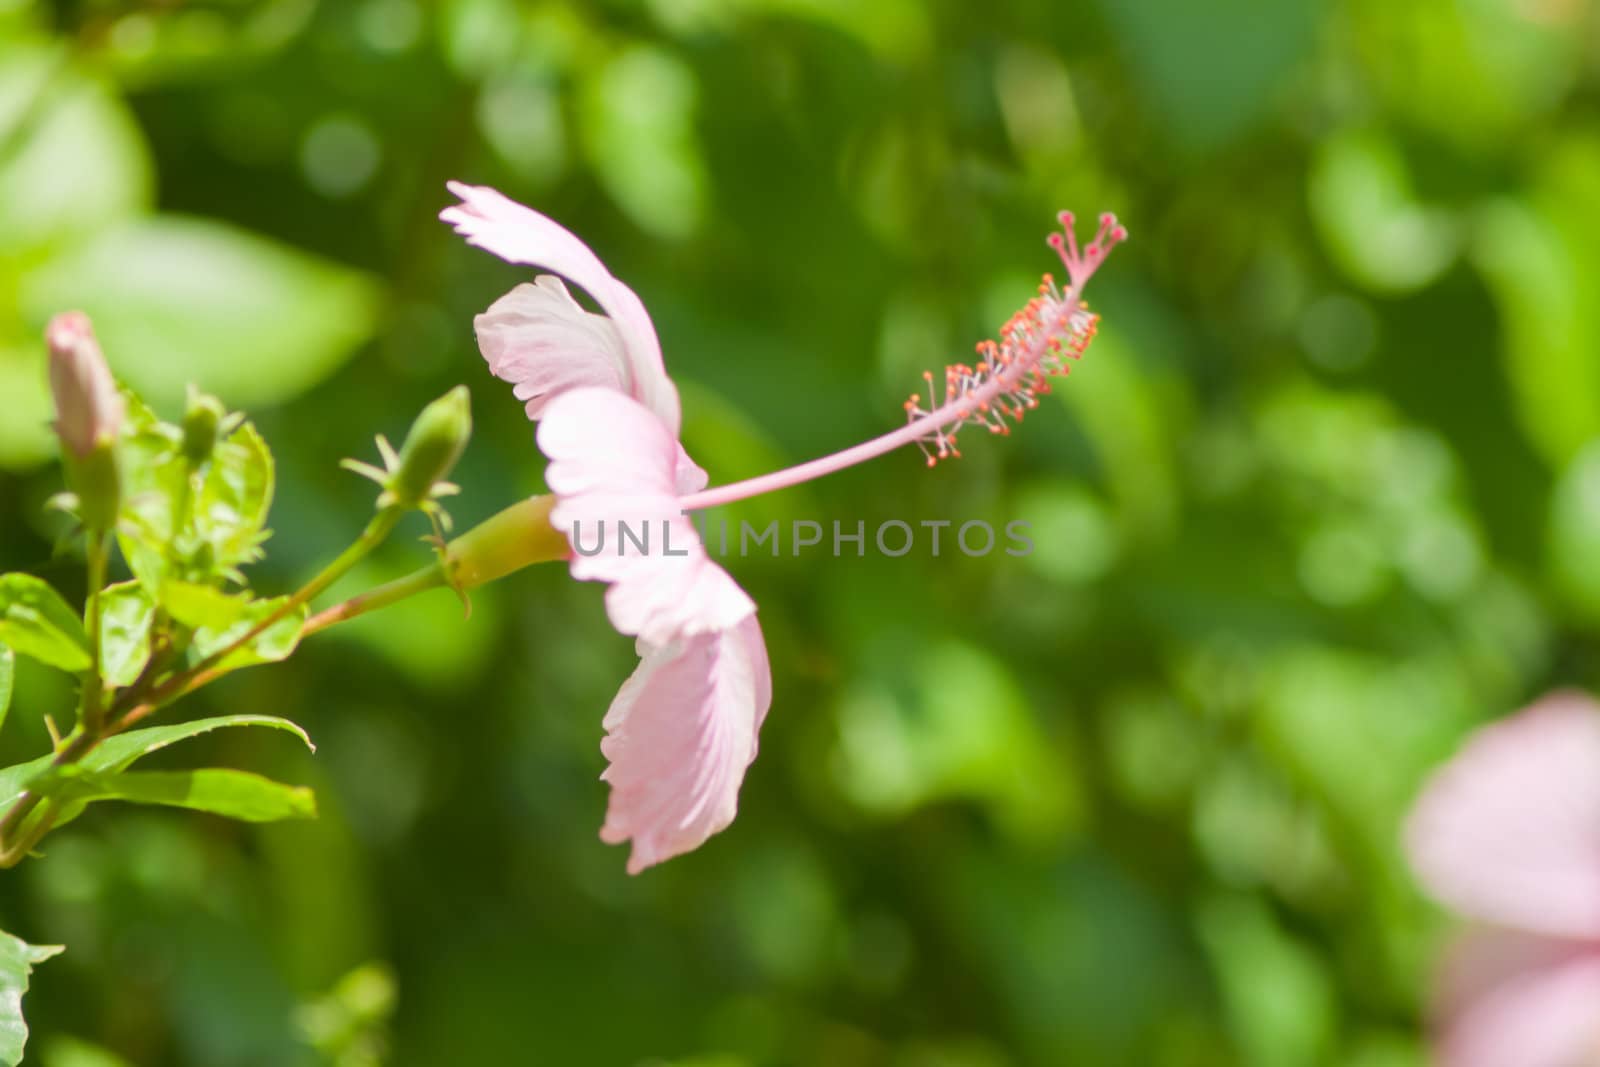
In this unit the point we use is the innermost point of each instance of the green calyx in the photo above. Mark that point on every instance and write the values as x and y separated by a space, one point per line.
96 482
517 537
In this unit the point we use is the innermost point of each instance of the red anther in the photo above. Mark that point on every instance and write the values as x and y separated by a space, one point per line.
1066 218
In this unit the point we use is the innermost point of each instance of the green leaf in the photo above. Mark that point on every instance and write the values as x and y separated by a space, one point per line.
350 1016
1574 532
1173 45
82 161
17 960
898 30
1275 989
202 606
60 1050
949 722
1371 221
36 622
8 667
274 643
188 526
639 122
117 754
25 435
219 791
78 162
154 486
1540 255
126 611
231 511
1473 72
182 300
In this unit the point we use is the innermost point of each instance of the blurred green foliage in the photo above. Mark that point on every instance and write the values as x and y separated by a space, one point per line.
1324 494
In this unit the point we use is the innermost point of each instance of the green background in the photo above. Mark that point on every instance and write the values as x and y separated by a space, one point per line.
1324 494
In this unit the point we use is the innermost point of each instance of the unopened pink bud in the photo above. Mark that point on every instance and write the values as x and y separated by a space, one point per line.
89 410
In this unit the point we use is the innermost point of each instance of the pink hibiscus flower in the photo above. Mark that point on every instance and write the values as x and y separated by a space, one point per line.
1508 834
683 729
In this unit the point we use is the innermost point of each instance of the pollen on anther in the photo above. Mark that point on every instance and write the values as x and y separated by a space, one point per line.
1037 343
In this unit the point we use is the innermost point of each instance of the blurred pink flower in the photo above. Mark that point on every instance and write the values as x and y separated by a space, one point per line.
1508 834
682 731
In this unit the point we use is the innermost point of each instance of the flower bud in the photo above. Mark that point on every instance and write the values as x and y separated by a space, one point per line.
202 422
89 409
433 446
89 414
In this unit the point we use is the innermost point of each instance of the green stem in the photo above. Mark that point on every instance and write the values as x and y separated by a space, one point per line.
12 852
91 713
92 725
517 537
382 524
15 852
377 531
502 544
382 596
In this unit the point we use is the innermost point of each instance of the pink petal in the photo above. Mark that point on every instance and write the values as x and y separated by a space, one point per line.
493 222
679 736
1519 1001
612 461
1509 830
540 340
1487 958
